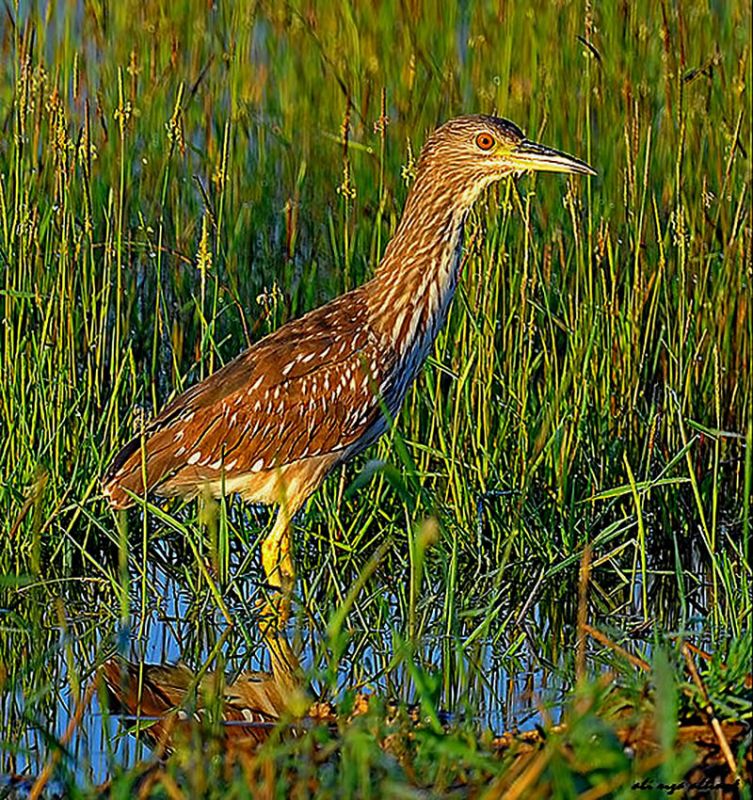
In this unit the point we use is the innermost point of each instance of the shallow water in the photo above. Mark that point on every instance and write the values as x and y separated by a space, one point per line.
178 625
513 675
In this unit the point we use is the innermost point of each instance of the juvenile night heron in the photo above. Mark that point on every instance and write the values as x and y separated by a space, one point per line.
272 423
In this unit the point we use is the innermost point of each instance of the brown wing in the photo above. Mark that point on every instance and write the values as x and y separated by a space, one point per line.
309 389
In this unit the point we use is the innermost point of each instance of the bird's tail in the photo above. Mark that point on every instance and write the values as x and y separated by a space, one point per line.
120 476
139 459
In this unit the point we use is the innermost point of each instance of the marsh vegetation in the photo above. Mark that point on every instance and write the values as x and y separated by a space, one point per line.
176 181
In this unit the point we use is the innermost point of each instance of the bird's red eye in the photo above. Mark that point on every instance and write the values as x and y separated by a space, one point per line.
485 141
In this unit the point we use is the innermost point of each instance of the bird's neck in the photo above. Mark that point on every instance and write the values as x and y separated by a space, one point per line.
416 280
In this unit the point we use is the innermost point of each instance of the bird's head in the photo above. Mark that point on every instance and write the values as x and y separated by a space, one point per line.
470 152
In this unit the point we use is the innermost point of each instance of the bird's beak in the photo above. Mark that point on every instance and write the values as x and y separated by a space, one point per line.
533 157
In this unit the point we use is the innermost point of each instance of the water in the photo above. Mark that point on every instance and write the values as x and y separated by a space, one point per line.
69 635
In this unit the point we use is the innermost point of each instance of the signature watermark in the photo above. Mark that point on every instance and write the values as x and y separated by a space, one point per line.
649 785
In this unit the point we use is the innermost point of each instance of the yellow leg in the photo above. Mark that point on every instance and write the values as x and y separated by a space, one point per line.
276 553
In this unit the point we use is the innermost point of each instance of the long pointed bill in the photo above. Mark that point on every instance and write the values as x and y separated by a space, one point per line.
533 157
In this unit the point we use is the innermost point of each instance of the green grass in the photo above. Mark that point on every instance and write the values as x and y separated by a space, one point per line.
175 182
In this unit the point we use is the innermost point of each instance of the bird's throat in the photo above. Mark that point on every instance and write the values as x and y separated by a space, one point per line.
416 280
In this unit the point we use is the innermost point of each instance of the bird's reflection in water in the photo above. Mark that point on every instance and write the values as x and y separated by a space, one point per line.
170 702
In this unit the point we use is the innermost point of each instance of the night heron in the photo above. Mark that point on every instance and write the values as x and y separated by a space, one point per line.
274 422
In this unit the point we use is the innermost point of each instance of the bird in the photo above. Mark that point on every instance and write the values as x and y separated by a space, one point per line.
274 422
